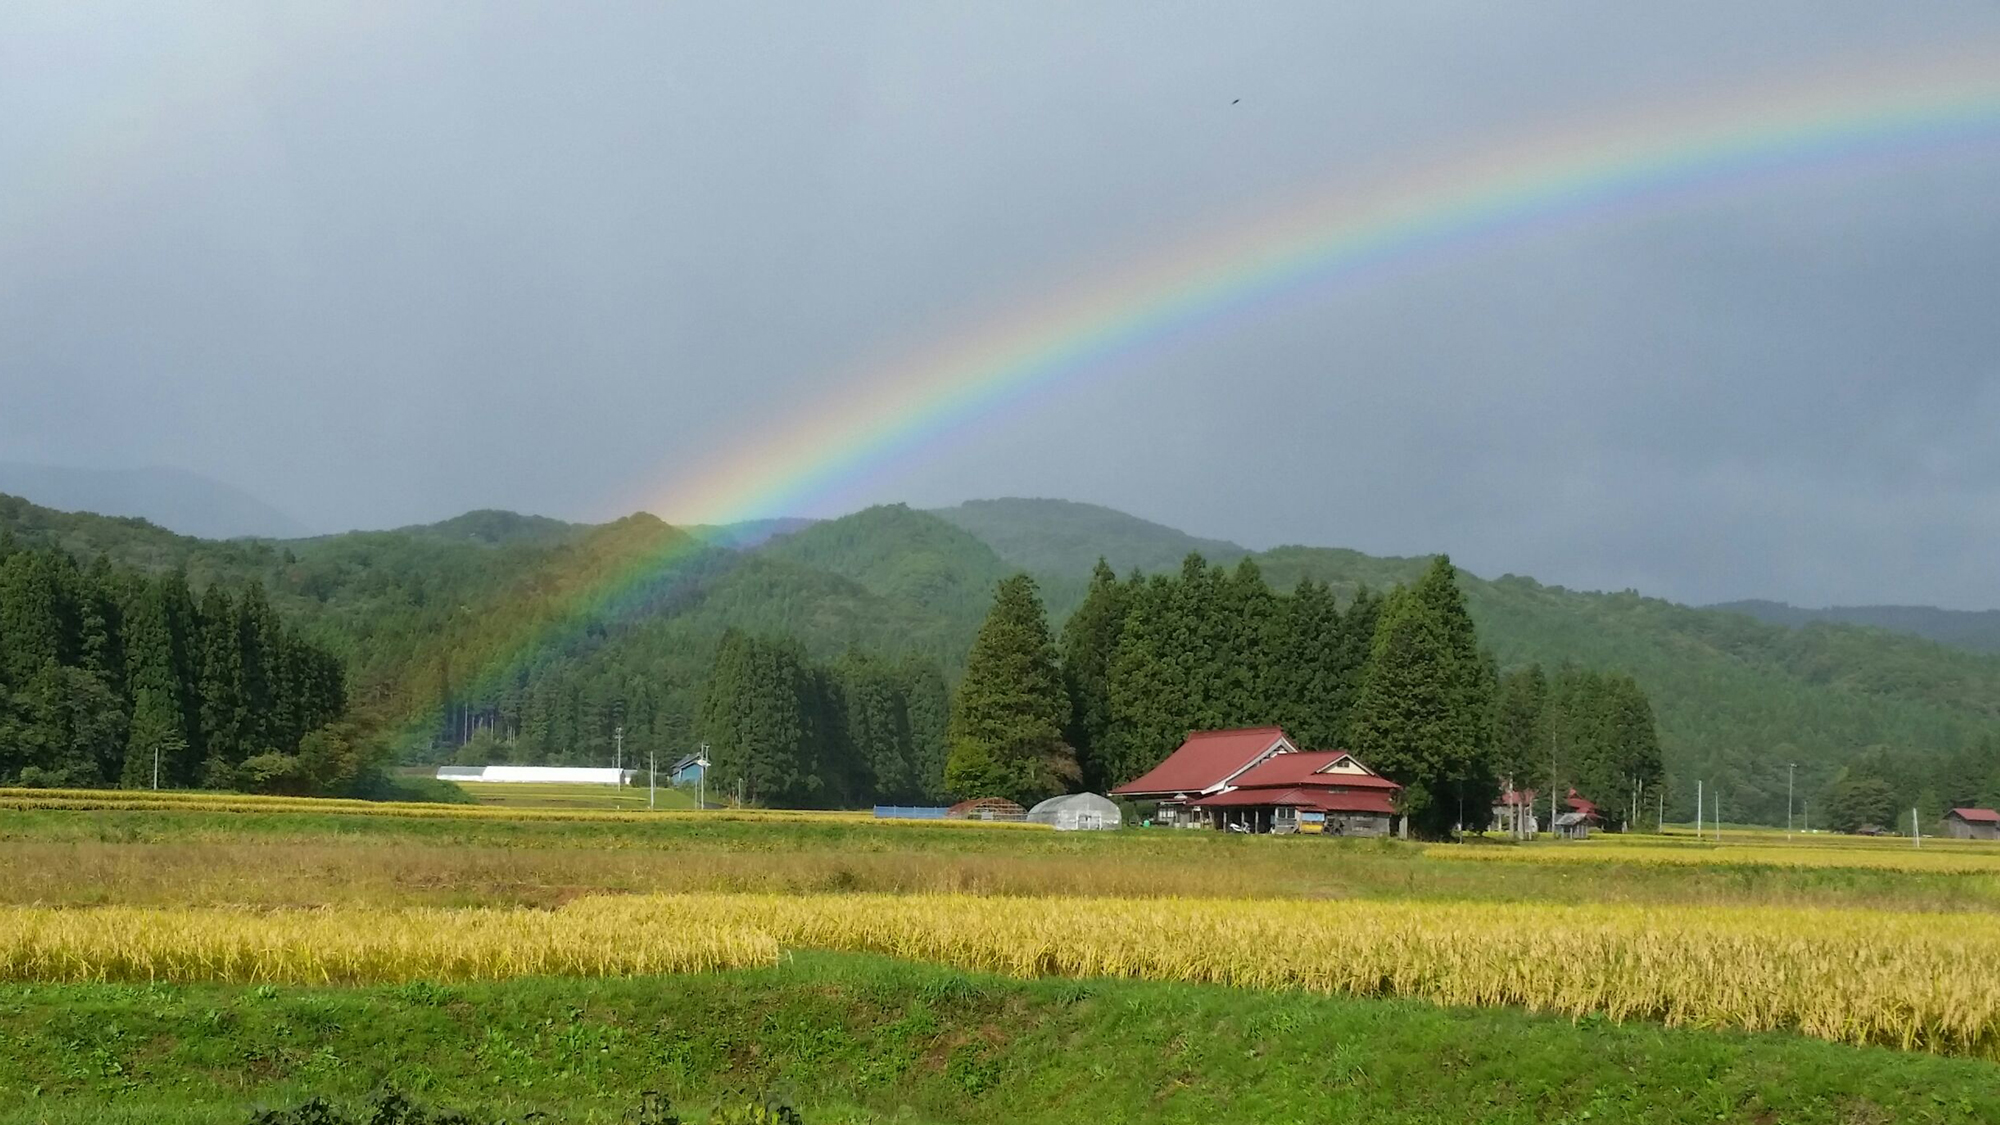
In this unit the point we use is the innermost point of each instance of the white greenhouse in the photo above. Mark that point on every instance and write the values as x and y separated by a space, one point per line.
1077 811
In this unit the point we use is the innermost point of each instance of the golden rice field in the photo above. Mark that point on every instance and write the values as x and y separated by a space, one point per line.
142 800
355 945
1927 983
1940 860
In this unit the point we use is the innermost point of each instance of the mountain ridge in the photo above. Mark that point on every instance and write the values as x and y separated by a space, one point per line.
418 612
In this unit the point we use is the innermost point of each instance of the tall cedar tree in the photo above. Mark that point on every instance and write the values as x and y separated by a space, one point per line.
928 716
1425 710
1006 731
1151 701
755 721
1089 640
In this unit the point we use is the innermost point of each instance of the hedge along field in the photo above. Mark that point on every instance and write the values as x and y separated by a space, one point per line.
1927 983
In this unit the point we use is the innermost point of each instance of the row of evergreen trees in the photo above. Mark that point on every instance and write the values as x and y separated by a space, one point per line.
784 731
1589 731
106 674
1398 679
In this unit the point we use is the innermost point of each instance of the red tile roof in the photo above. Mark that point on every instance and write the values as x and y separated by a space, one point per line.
1303 768
1518 797
1583 805
1305 797
1977 816
1206 759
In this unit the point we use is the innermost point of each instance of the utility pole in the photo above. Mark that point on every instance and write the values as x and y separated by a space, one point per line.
1718 816
156 764
652 775
618 739
1552 779
701 779
1697 810
1916 829
1789 767
1660 819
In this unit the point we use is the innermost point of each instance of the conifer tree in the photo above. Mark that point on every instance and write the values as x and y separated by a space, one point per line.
1007 719
1424 714
1310 701
222 718
753 717
1089 641
1521 740
928 717
1251 661
1148 690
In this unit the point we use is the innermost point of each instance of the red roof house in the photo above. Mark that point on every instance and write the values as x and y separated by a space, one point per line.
1584 805
1206 762
1257 780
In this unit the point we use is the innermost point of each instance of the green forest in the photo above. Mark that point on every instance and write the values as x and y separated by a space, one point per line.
112 677
1400 679
429 623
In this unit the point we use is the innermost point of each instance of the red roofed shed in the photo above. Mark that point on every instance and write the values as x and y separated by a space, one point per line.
1972 824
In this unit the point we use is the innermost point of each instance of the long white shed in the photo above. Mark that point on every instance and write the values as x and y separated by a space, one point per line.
569 775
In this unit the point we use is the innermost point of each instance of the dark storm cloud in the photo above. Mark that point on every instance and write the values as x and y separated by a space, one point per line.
388 264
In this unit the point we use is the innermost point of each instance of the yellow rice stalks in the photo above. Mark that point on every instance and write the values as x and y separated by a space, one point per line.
1929 982
1923 983
1941 860
355 946
147 800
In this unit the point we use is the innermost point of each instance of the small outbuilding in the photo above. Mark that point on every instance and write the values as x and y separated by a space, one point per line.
1972 824
986 808
1077 812
542 775
1573 826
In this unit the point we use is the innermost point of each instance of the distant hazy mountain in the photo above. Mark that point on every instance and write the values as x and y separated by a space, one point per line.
1977 630
749 533
1066 538
175 499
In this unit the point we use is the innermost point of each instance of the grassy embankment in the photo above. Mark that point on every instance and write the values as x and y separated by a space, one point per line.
856 1038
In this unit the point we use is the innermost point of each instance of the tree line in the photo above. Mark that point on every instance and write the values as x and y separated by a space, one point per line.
109 677
1397 678
783 730
1577 729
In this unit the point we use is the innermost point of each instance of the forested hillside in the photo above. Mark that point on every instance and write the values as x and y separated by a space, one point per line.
492 626
112 677
1977 630
1062 538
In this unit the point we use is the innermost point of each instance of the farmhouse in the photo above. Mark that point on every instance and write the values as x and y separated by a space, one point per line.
1256 780
1972 824
1514 813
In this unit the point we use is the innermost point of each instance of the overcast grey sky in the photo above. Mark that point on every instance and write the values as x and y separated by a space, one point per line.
385 263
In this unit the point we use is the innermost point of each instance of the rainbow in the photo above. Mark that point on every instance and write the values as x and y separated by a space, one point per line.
1593 172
